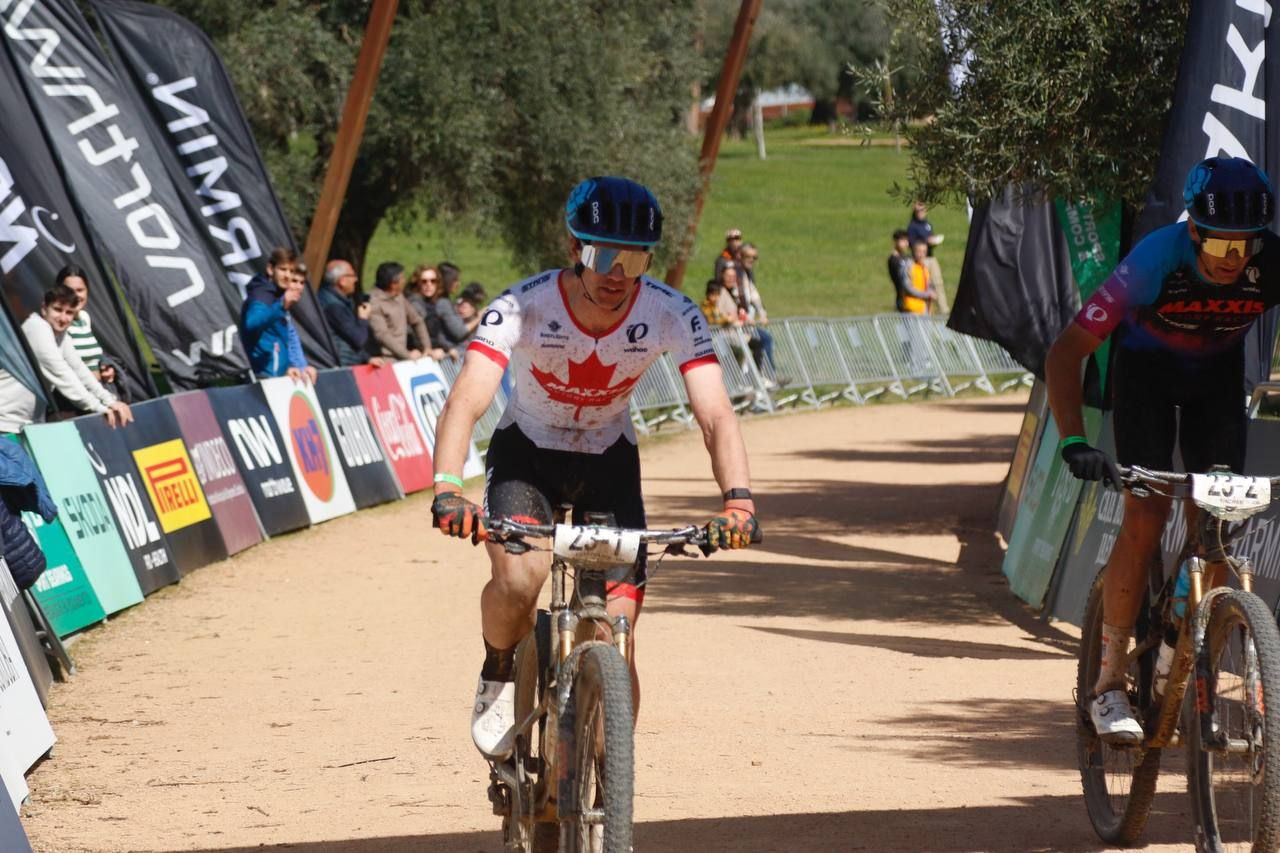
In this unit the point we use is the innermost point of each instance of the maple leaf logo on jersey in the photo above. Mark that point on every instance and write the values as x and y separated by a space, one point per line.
588 384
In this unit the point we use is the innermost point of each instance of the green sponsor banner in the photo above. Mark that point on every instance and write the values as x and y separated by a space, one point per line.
63 591
1044 516
1093 235
84 514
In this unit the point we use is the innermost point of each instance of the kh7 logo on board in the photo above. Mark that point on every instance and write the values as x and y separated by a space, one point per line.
310 449
171 483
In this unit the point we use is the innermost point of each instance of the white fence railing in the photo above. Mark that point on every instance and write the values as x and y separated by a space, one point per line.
818 361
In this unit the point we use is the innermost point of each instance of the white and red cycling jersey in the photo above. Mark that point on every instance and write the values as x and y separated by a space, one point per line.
571 386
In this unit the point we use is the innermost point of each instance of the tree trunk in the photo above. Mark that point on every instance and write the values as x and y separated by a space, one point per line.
757 120
356 227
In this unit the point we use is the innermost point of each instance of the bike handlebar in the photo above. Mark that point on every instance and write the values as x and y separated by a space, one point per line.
690 535
1136 475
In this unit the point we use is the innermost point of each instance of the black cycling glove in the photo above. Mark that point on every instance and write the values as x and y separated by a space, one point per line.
456 516
1090 463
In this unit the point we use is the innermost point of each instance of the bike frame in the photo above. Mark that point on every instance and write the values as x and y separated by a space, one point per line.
1210 551
578 618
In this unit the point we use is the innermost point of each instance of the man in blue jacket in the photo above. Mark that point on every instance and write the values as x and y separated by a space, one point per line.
265 325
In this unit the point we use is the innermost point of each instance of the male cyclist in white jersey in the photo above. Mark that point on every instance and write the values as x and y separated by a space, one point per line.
577 340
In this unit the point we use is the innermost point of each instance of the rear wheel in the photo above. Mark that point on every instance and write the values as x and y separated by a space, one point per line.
1235 780
1119 782
603 769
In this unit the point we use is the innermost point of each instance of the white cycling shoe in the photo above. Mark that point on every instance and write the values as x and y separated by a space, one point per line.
493 719
1113 719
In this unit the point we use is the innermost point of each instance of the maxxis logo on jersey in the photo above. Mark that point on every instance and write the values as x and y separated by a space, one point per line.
312 452
171 483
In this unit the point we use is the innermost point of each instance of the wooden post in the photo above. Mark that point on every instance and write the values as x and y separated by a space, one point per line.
350 130
730 74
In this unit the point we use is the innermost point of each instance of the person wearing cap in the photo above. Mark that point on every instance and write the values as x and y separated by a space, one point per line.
1178 308
732 246
577 340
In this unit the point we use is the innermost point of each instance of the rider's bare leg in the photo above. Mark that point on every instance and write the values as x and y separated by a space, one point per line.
510 598
1125 581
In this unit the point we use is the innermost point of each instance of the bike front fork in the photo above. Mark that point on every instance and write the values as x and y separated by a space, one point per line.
568 629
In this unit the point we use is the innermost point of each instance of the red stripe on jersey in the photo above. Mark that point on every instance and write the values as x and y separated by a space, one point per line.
489 352
698 362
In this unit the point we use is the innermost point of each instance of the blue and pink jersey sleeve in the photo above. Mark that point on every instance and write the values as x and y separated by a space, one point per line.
1136 281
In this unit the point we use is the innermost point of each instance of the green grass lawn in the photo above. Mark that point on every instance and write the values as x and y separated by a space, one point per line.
818 208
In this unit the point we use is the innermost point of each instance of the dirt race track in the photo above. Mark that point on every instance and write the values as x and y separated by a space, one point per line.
862 681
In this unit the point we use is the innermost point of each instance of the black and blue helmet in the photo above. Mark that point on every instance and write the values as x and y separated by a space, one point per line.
610 209
1229 194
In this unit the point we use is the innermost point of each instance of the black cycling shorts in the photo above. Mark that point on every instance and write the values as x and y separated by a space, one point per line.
527 482
1159 398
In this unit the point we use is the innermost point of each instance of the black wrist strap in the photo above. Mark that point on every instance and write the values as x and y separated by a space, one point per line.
738 495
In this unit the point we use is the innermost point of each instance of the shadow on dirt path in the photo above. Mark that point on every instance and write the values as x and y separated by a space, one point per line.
1026 825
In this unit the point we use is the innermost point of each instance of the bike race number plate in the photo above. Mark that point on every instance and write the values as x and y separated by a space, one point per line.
1230 497
596 546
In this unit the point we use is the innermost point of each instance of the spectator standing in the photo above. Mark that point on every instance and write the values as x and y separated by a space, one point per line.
919 299
919 229
900 268
712 306
470 301
105 368
751 315
348 318
46 333
265 325
432 303
391 317
729 254
22 489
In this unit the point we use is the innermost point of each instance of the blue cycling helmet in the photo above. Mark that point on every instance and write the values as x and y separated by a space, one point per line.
1229 194
613 210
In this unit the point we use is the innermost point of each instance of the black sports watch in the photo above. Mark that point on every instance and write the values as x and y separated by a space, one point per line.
738 495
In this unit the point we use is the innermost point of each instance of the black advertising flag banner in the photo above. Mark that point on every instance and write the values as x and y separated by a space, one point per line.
112 461
192 111
261 455
169 476
1016 286
40 233
1220 107
368 473
118 181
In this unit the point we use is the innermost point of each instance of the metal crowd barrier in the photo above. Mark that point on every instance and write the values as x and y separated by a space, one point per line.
816 361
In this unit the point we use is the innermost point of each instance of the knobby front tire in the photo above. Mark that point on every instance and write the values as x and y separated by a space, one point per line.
1119 783
603 760
1236 794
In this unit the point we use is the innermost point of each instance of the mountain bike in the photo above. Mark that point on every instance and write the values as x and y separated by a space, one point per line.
1229 723
568 784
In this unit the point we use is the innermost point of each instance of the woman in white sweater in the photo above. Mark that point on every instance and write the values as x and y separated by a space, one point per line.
62 367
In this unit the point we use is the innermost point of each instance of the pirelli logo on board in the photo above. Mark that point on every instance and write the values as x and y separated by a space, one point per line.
171 482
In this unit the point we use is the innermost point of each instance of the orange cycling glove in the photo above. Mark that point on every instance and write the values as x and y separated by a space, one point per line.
733 528
457 516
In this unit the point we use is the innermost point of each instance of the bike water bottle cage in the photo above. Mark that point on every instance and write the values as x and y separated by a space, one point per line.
1228 194
634 262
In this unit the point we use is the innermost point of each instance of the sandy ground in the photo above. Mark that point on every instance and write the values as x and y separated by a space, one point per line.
862 681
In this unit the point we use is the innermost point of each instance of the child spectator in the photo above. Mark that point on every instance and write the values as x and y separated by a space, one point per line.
470 301
265 325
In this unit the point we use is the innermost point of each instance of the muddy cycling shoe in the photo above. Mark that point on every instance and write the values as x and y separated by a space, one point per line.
1113 719
493 719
